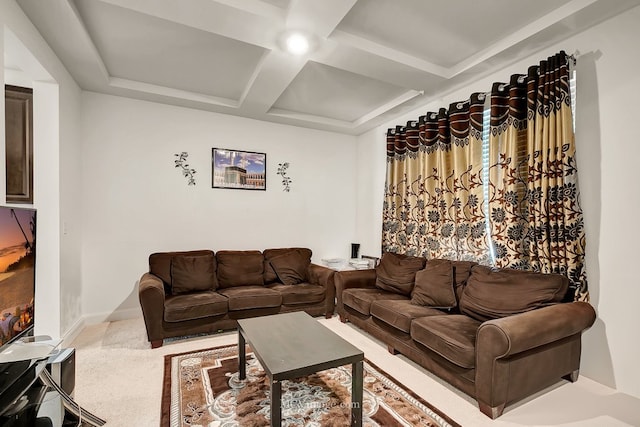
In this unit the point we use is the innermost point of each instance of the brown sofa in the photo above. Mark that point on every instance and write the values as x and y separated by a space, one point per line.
497 335
193 292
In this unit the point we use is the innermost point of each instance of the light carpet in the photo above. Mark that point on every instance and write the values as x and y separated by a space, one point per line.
119 378
202 388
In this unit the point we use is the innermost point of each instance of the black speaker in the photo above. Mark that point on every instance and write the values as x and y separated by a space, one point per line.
62 367
355 250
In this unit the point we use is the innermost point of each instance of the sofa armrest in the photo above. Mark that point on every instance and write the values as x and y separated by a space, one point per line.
151 294
323 276
521 354
514 334
349 279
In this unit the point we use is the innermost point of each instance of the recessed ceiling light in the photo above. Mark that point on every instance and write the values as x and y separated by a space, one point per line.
297 44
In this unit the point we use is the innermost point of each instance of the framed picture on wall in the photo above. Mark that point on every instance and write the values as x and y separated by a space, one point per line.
244 170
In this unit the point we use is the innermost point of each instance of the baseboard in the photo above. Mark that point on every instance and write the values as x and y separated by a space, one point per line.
73 332
93 319
112 316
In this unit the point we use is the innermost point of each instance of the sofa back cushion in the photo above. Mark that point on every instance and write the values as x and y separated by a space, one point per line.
240 268
270 274
495 293
434 285
397 273
160 263
193 273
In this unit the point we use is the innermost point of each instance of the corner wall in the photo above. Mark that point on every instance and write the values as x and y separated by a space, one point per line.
136 202
607 153
56 106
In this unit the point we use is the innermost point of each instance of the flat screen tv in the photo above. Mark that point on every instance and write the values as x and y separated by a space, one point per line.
17 272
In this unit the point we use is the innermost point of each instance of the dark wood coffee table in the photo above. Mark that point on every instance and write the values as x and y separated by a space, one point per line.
292 345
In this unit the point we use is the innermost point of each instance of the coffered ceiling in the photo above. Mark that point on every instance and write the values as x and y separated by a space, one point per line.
370 60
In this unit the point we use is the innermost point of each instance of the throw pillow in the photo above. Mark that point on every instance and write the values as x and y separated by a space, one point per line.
396 273
270 275
495 293
461 272
434 285
193 273
291 267
240 268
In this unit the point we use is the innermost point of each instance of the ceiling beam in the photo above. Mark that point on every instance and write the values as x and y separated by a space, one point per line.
342 37
319 18
256 7
377 67
278 68
520 35
215 17
272 76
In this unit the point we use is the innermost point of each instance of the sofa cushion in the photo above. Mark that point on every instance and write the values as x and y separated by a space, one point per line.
197 305
434 285
291 267
240 268
495 293
397 273
461 271
270 274
250 297
193 273
452 336
400 313
160 263
303 293
360 299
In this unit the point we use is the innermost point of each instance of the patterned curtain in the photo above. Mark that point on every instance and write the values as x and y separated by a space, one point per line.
556 225
433 198
518 209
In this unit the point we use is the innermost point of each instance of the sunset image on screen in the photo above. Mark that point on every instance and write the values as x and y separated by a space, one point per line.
17 271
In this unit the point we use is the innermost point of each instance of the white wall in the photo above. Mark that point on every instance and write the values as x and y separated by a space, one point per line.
69 220
56 102
136 202
607 153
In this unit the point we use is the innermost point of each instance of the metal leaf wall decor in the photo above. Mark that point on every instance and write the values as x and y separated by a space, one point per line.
186 171
282 171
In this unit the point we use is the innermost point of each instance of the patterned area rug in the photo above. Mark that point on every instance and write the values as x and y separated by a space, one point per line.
201 388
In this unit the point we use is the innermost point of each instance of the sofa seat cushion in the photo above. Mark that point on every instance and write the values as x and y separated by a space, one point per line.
302 293
195 305
400 313
452 336
360 299
495 293
250 297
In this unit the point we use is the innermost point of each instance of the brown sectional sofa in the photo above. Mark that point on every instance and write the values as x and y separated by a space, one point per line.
497 335
192 292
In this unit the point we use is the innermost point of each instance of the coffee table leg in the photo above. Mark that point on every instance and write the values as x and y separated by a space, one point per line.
356 393
276 403
242 357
